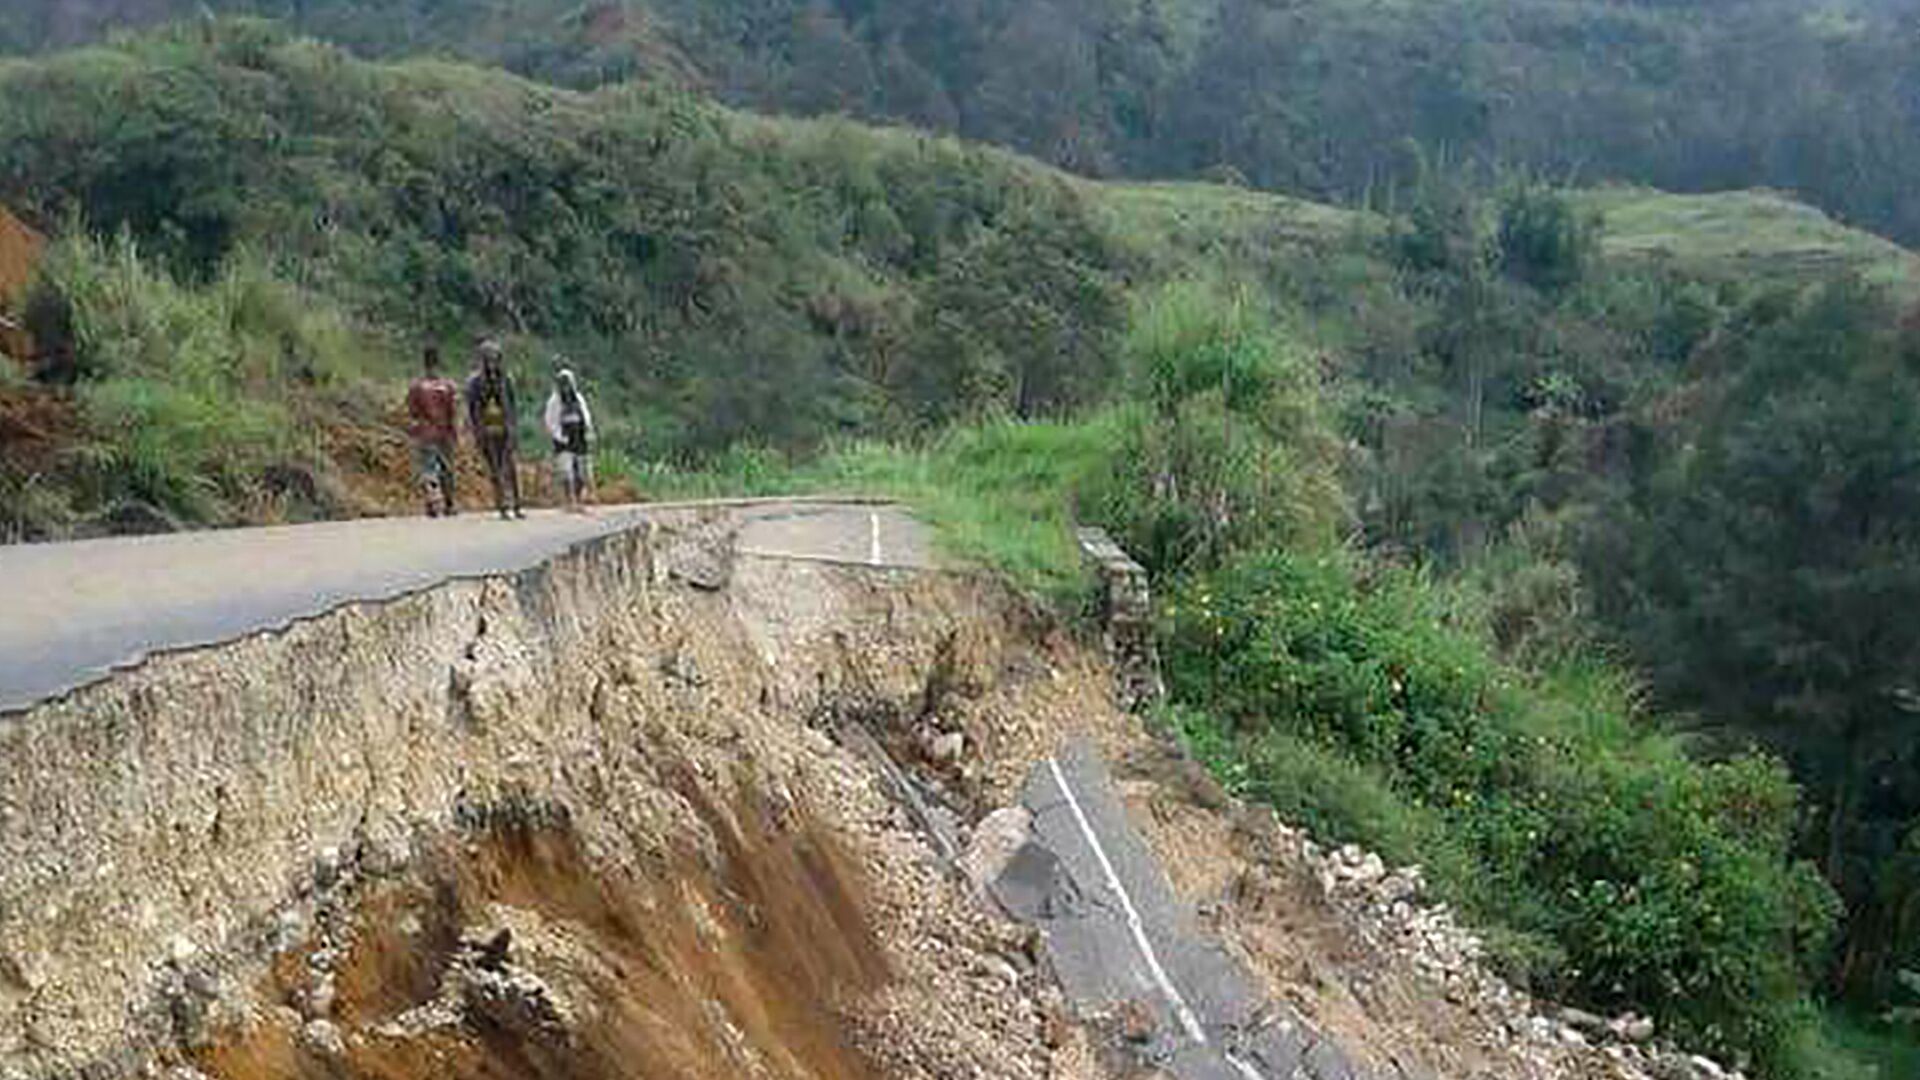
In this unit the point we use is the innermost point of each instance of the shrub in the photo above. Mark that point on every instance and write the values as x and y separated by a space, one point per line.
1365 707
1230 445
1543 240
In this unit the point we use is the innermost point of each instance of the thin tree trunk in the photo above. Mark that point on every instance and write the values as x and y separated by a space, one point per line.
1837 824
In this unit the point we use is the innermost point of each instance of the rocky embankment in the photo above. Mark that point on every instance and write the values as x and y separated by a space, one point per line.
638 812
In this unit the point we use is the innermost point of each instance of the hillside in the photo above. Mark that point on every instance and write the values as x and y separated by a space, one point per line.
717 276
1745 236
1411 478
1336 99
301 223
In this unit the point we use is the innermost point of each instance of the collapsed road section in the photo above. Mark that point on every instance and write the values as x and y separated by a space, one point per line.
721 792
79 611
1116 935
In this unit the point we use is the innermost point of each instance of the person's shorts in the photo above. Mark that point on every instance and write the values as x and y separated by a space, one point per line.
564 464
432 461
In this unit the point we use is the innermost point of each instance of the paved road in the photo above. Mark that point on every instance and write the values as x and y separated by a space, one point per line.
1117 936
73 612
836 532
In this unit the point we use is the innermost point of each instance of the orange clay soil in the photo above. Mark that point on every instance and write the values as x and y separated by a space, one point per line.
693 970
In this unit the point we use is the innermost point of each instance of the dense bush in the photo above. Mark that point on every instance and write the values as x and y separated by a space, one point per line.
1229 440
1635 875
1543 240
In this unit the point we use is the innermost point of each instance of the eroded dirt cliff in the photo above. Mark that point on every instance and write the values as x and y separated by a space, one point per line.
587 820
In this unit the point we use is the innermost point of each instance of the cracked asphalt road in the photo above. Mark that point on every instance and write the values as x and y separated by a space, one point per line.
72 613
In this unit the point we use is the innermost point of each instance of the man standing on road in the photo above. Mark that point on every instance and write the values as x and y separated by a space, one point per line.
433 409
570 424
490 413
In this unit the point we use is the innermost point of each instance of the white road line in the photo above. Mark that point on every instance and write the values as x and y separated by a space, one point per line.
1138 926
1134 923
873 537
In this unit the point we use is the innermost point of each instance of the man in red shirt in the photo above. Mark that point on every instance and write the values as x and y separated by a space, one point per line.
433 406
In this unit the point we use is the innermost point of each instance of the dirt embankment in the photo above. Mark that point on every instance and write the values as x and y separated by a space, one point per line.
514 957
20 250
589 820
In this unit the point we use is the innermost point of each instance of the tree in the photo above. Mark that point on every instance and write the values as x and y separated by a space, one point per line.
1543 241
1779 559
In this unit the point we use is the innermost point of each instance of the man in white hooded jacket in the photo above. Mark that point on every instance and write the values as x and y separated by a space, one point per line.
570 424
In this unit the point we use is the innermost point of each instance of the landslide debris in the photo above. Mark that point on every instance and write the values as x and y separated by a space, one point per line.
623 817
594 819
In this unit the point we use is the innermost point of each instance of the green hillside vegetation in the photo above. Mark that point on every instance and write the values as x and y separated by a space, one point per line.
1329 98
1745 236
1413 480
720 276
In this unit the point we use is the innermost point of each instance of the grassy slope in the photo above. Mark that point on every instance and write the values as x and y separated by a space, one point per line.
1746 235
1763 236
1755 236
1192 216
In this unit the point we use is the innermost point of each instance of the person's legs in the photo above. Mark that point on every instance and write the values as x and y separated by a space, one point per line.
563 475
443 455
511 467
499 468
426 474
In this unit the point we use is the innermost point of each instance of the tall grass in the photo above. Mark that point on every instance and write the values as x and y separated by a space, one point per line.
191 394
1002 494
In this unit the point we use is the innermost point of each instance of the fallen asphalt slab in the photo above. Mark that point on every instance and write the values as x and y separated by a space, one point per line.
1117 937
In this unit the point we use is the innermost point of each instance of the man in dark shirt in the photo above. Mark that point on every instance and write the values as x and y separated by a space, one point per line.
490 413
433 410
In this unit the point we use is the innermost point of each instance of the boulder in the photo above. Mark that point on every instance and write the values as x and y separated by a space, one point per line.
995 840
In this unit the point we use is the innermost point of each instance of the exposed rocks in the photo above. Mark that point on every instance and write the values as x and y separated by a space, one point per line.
995 840
682 669
322 1038
701 556
945 748
1136 1022
1631 1028
509 1000
1389 909
1126 617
